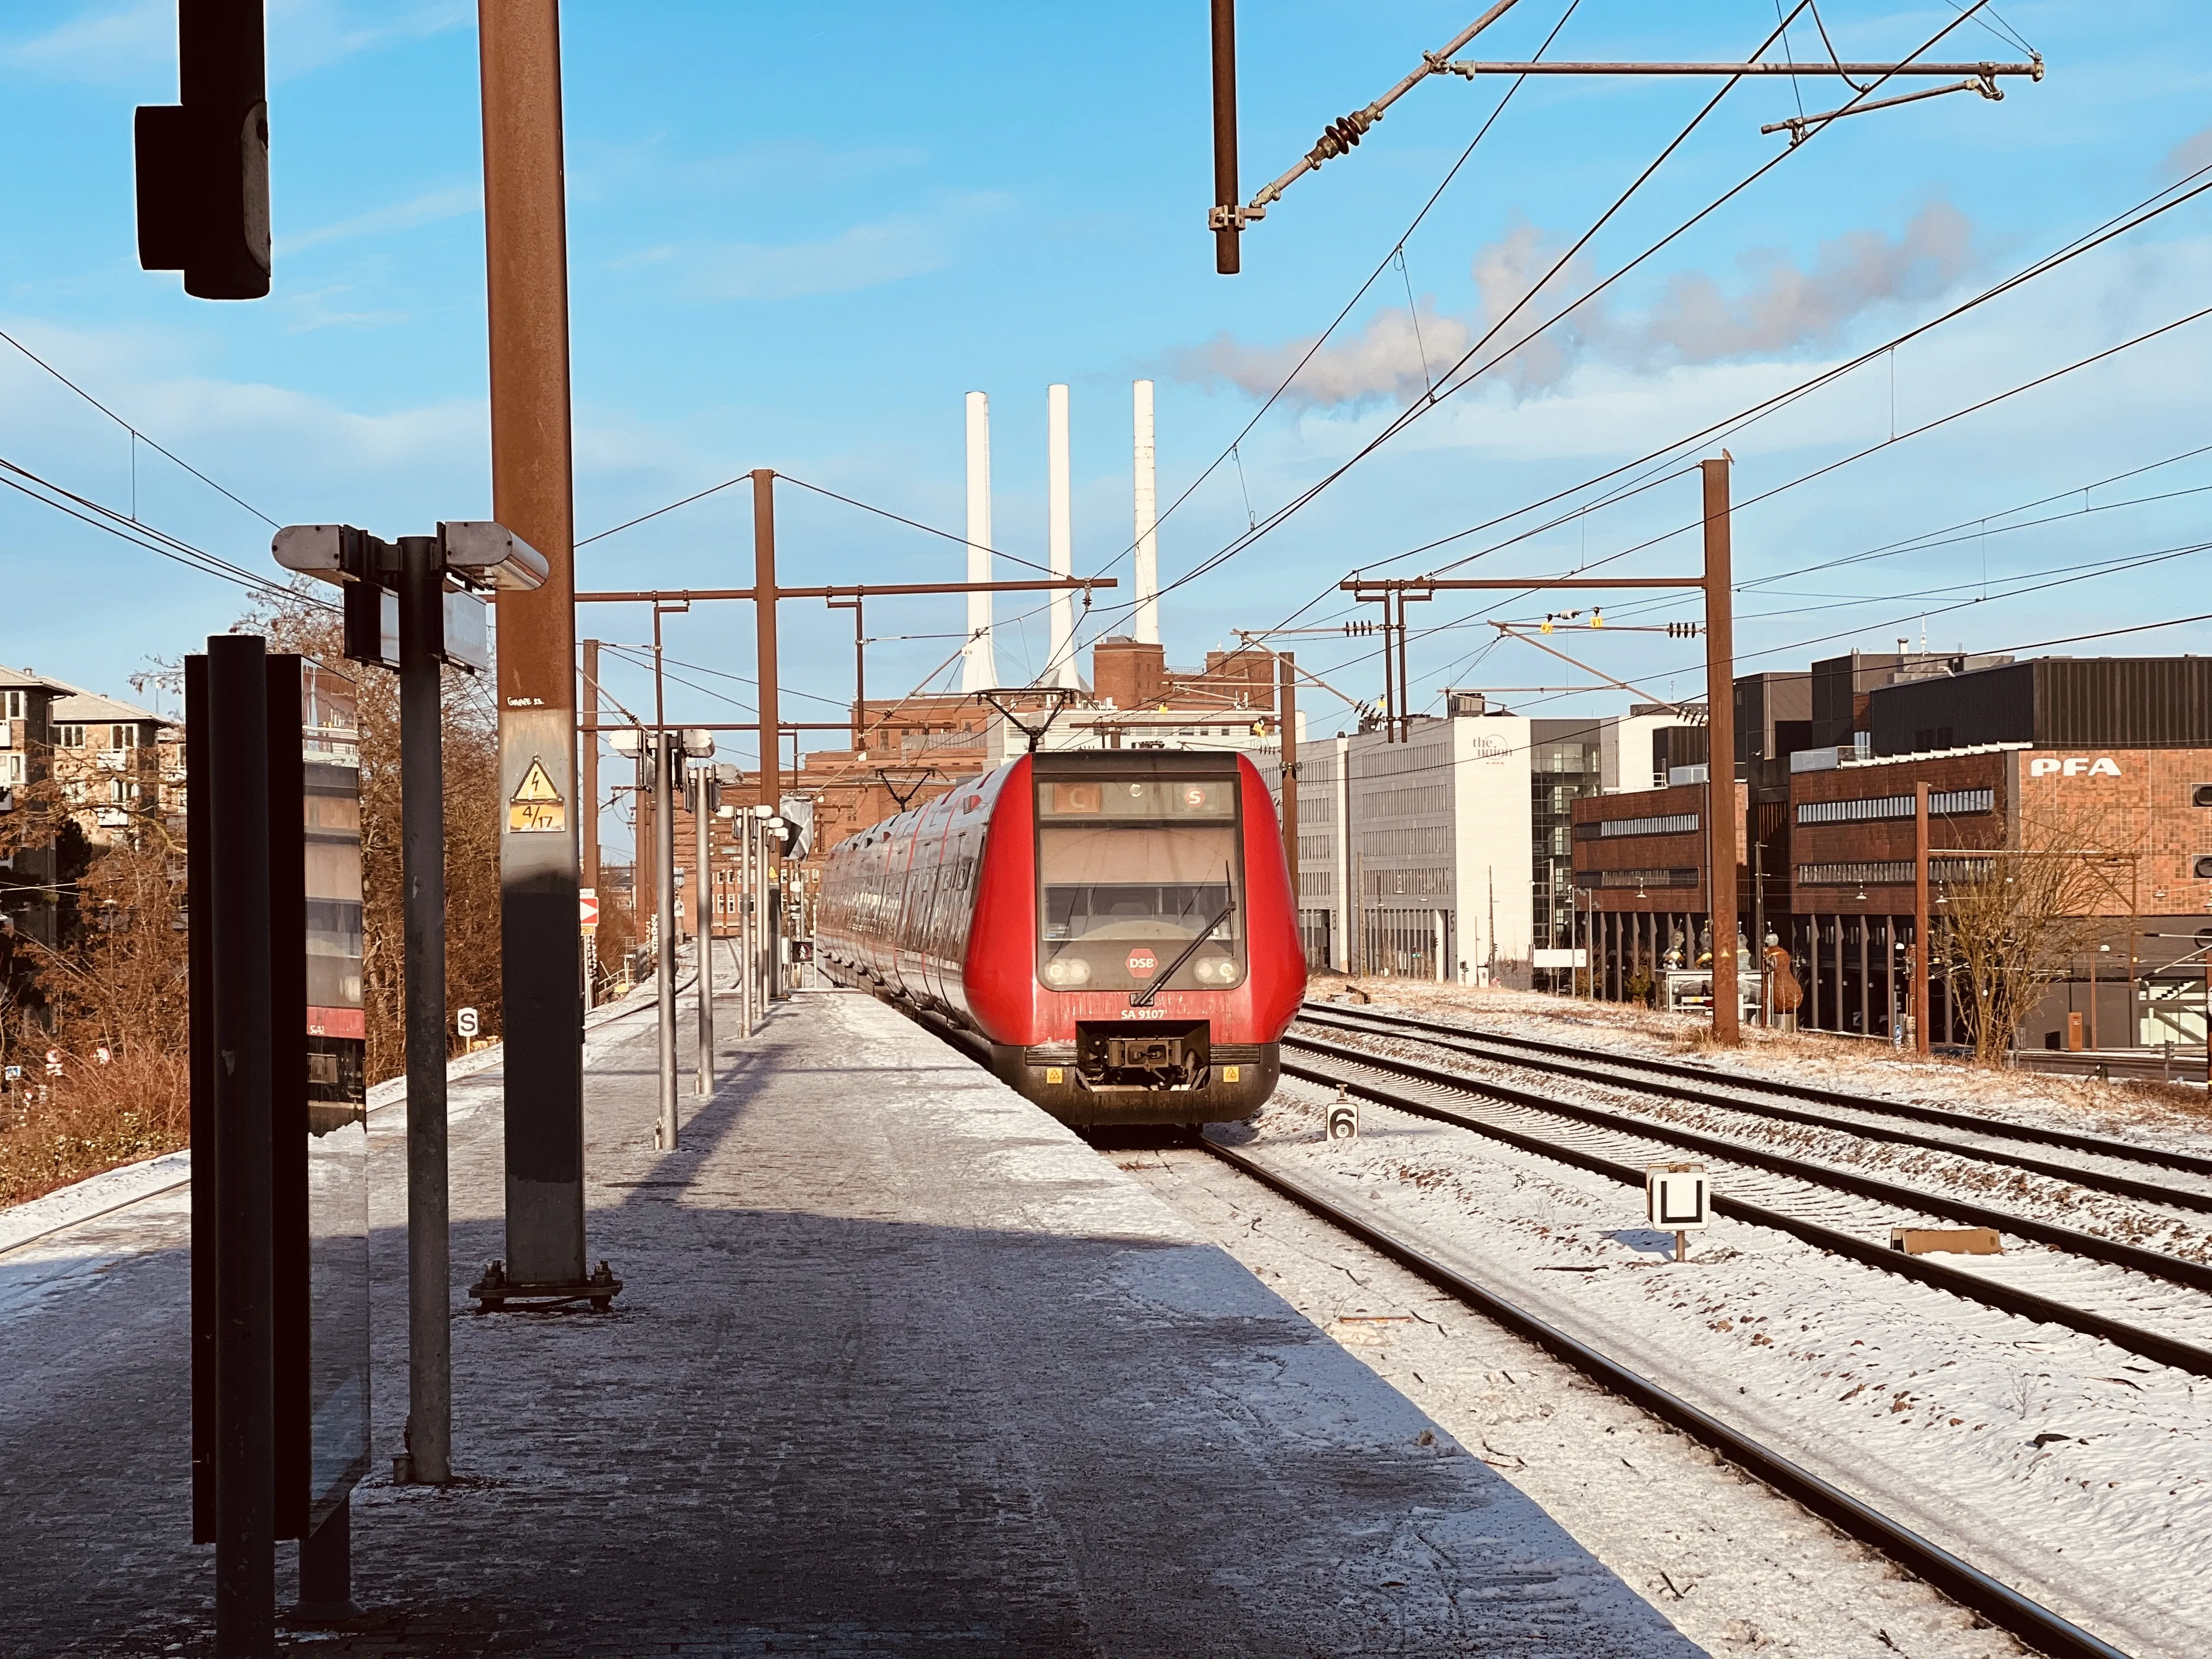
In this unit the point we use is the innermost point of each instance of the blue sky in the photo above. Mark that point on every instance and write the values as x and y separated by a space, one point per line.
799 235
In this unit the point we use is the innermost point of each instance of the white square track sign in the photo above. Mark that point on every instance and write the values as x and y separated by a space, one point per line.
1677 1197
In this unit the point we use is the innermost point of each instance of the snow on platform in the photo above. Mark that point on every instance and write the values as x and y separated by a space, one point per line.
903 1367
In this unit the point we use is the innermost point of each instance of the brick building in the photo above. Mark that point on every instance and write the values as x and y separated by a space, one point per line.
1640 870
115 765
2109 761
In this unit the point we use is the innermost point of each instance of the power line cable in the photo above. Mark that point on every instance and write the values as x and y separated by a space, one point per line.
137 435
2120 224
1458 377
145 536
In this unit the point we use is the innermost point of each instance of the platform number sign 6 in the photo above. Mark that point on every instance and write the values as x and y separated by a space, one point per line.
1343 1117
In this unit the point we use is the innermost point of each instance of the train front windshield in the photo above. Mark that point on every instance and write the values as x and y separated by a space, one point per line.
1130 872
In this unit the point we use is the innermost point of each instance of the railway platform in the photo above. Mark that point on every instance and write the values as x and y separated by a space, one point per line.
903 1367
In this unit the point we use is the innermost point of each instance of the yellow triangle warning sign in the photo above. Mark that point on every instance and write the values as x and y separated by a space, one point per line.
536 804
535 785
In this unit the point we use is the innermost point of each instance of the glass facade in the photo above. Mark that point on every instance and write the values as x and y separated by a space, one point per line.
337 1099
1563 765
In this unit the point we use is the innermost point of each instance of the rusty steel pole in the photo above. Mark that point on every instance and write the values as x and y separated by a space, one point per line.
771 718
1286 700
1720 749
764 598
1920 918
587 799
541 970
1225 216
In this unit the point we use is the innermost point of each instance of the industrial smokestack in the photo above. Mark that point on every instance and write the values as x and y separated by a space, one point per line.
1148 520
978 668
1060 511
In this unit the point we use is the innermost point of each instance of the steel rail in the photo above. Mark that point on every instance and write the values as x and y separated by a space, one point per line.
2127 1151
1471 1043
2026 1304
1968 1585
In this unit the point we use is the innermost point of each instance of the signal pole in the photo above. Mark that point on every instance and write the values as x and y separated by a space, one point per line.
525 260
1228 218
1720 749
1286 702
703 923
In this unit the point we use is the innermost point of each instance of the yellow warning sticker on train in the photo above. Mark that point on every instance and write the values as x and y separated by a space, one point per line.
536 804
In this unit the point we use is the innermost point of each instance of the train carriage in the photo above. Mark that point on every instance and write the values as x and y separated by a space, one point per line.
1117 925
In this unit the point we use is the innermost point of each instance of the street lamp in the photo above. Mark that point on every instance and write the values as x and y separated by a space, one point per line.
415 605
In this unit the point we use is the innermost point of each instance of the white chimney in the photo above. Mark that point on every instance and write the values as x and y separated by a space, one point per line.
1060 511
1148 519
978 669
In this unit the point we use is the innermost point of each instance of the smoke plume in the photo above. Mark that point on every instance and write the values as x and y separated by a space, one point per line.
1397 354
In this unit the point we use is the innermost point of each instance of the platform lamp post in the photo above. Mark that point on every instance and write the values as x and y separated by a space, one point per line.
706 793
418 605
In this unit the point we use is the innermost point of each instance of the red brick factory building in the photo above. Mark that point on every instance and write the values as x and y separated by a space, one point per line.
2107 760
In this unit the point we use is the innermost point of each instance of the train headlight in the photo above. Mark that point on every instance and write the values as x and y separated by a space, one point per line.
1066 970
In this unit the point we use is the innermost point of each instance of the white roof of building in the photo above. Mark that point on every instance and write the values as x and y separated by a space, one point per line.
76 706
90 707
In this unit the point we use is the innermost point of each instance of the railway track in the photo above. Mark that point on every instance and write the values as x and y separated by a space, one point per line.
2034 1624
1592 1137
2029 1621
1763 1094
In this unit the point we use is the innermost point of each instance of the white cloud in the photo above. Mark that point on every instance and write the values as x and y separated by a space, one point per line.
106 43
103 44
2191 153
430 207
1785 308
306 34
860 257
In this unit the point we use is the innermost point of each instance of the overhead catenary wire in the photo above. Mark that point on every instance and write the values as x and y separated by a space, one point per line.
137 436
1598 721
1459 376
1826 468
2132 218
146 536
1359 294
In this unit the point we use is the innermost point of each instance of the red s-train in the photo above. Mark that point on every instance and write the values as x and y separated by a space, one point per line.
1116 924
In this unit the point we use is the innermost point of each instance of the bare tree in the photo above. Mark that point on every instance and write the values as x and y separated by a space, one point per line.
471 791
2011 919
106 1000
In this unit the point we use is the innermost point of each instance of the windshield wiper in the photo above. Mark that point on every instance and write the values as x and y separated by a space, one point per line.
1144 999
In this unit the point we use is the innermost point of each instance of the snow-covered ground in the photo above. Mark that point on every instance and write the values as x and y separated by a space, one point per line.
1736 1569
2151 1113
2145 1301
2069 1468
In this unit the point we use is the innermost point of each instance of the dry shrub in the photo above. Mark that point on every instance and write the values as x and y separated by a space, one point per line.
118 980
91 1119
471 742
117 986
